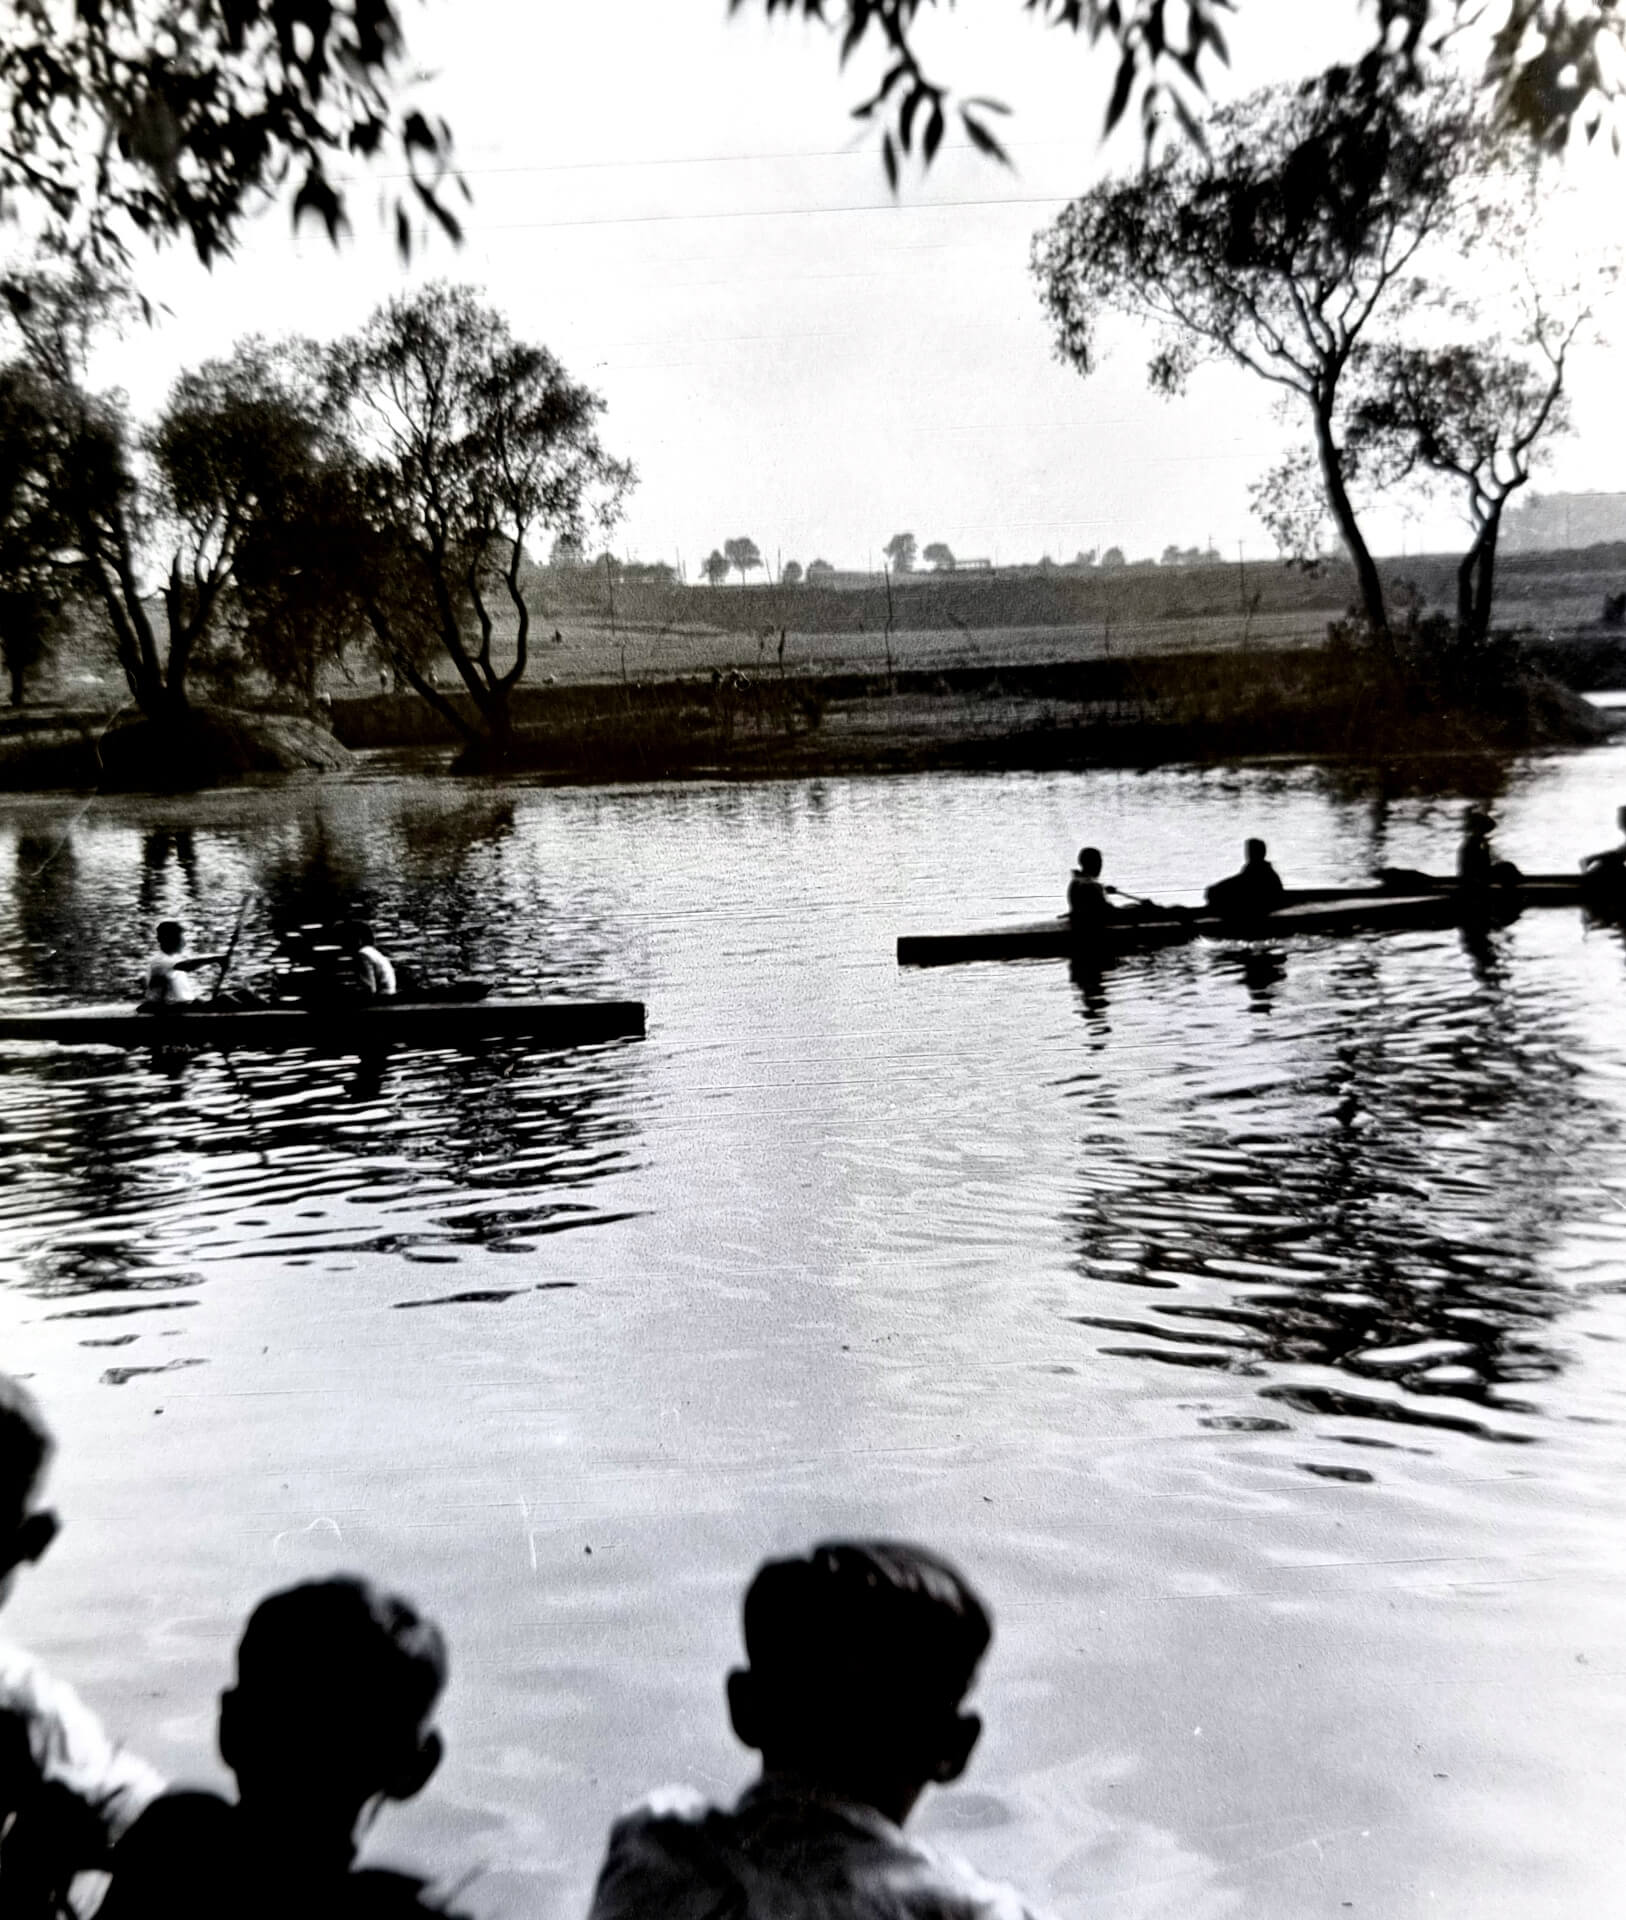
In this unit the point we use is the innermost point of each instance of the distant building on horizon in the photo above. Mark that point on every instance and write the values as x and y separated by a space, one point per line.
1545 522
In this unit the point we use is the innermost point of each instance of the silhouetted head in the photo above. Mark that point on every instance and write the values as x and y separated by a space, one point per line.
354 935
1255 851
336 1683
26 1447
1477 822
171 936
859 1656
1089 862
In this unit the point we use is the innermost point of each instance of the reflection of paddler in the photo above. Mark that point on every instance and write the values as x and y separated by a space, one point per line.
1256 889
1477 865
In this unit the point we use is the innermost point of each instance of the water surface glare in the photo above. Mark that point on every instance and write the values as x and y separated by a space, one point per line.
1249 1322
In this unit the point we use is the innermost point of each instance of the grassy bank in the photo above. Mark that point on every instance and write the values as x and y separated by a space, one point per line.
1215 706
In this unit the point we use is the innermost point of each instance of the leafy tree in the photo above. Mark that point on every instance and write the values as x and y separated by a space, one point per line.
820 573
900 552
177 118
472 442
741 554
1473 417
792 574
32 531
715 568
160 119
152 525
297 605
1279 251
1552 65
1113 557
567 552
939 557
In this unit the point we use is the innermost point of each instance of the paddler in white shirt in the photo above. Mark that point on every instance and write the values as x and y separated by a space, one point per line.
169 984
371 974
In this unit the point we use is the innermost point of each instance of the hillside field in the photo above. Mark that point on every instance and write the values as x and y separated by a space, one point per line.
940 623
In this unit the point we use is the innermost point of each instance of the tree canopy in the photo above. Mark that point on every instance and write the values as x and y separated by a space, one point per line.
151 525
742 555
1280 249
164 119
1551 65
33 530
1472 416
471 443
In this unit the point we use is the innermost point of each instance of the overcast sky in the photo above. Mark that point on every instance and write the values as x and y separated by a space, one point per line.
680 206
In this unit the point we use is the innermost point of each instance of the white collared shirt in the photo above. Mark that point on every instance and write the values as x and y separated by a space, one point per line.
72 1788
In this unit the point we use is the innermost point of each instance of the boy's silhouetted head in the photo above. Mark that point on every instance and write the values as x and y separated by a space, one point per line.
336 1684
859 1656
1254 850
171 936
1089 862
26 1447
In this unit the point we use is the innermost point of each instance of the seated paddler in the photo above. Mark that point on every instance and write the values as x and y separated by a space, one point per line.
1477 865
1256 889
168 985
369 975
1608 869
1087 904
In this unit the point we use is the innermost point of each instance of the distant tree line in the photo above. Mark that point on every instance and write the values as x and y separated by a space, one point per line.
292 502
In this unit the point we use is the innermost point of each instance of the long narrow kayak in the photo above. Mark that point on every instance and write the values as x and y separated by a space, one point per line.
1330 910
350 1029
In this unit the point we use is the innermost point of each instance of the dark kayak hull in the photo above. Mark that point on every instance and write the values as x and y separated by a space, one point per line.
1327 911
347 1030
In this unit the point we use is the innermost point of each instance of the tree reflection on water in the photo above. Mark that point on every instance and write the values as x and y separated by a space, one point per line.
142 1175
1366 1232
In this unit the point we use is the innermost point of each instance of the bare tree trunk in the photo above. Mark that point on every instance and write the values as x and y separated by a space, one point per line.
1465 590
1485 589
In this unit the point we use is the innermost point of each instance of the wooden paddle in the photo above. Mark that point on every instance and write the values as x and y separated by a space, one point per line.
226 960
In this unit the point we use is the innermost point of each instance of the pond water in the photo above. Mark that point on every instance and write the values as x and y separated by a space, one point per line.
1248 1323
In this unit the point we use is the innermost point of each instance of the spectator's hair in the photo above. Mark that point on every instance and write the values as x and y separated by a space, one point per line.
857 1619
1089 861
26 1446
342 1652
171 936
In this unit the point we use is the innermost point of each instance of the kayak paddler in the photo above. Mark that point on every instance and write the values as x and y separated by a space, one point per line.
370 974
1087 904
1256 889
169 983
1609 868
1477 865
